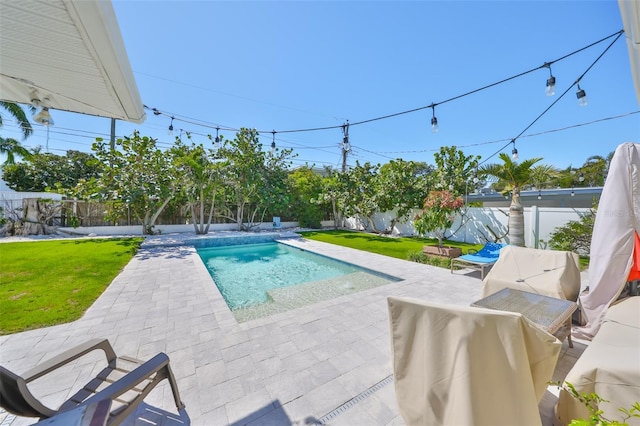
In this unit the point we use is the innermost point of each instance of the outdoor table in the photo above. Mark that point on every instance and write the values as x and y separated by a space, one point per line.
551 314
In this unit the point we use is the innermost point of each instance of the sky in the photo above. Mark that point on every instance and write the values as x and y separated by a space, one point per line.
299 65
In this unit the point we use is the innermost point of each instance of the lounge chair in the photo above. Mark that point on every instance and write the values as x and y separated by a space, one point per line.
125 382
481 260
459 365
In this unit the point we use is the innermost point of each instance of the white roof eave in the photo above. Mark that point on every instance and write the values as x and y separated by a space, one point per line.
630 13
70 52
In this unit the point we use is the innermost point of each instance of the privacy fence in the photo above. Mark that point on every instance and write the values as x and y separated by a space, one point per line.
475 225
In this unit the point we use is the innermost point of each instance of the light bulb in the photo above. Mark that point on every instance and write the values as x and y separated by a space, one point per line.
43 117
434 125
582 97
551 86
514 154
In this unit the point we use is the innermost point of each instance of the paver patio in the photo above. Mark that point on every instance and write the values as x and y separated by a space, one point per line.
328 362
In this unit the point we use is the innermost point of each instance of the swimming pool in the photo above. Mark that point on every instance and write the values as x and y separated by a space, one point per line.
260 279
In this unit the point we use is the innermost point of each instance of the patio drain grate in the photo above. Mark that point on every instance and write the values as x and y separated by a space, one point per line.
353 401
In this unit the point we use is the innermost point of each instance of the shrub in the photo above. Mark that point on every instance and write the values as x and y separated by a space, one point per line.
437 214
440 261
575 236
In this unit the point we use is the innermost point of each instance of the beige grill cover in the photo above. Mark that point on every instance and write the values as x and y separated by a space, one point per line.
457 365
547 272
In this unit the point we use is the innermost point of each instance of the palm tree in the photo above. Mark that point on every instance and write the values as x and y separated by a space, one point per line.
542 175
514 176
10 146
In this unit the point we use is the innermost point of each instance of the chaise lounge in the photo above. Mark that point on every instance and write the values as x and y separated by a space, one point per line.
481 260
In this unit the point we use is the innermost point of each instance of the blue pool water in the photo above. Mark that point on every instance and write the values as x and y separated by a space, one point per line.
245 274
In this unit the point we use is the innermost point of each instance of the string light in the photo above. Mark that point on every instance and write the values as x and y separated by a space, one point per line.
539 194
434 120
273 143
171 127
217 136
551 82
546 65
582 96
514 151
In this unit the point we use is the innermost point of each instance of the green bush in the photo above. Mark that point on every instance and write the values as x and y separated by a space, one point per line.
420 257
575 236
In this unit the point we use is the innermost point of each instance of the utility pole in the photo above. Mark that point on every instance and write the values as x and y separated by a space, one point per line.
113 134
346 147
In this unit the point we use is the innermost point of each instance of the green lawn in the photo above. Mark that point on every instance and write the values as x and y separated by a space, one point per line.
407 248
401 248
45 283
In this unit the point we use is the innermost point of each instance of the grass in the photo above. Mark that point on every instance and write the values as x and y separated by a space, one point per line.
407 248
45 283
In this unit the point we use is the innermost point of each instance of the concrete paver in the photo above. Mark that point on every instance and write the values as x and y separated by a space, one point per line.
289 368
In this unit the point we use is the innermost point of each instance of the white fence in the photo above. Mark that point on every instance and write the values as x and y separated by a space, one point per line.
475 224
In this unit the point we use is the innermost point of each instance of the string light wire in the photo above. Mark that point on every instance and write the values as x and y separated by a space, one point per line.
432 105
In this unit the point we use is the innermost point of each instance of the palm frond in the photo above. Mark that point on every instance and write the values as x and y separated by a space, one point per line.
19 115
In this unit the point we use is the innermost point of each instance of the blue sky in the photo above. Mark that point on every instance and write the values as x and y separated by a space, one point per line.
303 64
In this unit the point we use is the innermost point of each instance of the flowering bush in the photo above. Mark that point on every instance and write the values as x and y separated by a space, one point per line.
437 214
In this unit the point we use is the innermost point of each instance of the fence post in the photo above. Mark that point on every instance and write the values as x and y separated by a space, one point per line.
534 220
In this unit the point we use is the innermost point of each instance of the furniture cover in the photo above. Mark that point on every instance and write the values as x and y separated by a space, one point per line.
547 272
458 365
610 366
615 230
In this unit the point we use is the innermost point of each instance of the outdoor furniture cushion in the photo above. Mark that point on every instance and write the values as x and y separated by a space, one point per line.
459 365
480 260
610 367
125 381
547 272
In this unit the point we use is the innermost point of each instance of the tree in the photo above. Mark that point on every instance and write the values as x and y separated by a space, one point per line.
136 175
595 169
514 176
306 185
455 171
10 146
331 192
440 207
543 175
50 172
358 196
201 181
401 186
254 181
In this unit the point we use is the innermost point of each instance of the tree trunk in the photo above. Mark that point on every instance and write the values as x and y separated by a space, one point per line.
516 220
33 218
